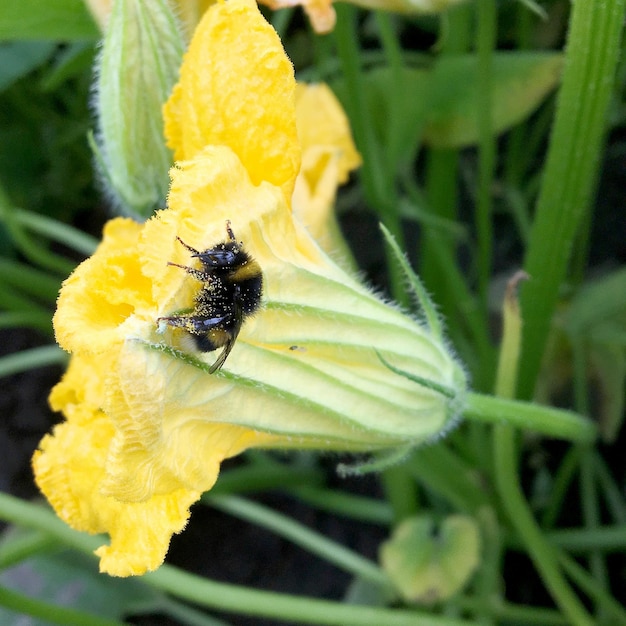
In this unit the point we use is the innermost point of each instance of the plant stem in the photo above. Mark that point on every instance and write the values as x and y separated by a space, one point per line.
57 231
591 518
31 249
258 477
49 612
582 540
485 43
506 476
31 358
593 50
16 549
546 420
361 508
378 181
594 590
227 597
443 472
561 483
612 491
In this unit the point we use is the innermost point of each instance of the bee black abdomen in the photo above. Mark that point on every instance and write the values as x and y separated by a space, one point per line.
214 339
250 291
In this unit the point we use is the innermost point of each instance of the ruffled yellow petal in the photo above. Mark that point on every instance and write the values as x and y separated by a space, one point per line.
140 533
69 467
168 436
240 95
328 156
103 292
322 123
81 392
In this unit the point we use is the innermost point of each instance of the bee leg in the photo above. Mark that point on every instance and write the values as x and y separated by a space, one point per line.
178 321
197 274
229 230
198 325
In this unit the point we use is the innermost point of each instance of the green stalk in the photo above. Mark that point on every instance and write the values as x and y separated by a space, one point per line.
34 317
289 608
611 607
32 358
394 149
16 549
181 613
400 492
30 248
257 477
29 280
373 172
506 474
442 190
442 185
487 580
612 491
516 158
560 485
378 181
593 50
518 614
56 231
51 613
546 420
347 505
223 596
485 44
543 554
443 472
582 540
591 518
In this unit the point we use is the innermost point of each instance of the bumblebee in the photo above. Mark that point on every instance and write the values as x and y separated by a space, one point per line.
232 286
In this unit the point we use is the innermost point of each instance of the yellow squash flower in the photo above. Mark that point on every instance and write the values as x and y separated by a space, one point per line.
147 425
328 157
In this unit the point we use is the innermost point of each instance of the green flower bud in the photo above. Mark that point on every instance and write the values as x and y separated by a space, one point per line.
137 68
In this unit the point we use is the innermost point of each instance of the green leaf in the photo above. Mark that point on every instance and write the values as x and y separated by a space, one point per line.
439 104
598 302
20 58
71 579
409 110
596 322
46 19
72 61
427 563
590 331
521 81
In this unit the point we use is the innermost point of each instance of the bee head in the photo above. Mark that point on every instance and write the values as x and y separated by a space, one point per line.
225 256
